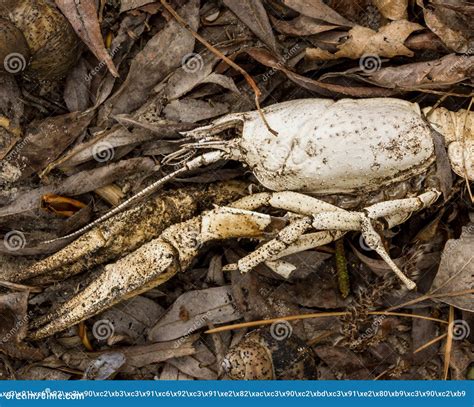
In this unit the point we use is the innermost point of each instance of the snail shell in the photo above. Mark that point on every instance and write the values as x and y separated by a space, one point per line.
51 40
263 356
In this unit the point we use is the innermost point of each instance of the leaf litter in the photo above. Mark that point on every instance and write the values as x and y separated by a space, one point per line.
104 129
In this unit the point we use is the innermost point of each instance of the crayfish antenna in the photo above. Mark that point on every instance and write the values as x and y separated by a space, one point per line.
198 162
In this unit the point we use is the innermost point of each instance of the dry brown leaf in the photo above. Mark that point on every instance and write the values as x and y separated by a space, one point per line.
302 25
172 373
451 27
319 290
193 367
126 5
423 331
130 31
214 305
131 319
323 88
462 355
189 110
32 372
138 356
104 146
318 10
183 80
11 107
453 39
14 321
77 90
14 318
340 360
83 17
162 55
78 184
45 140
439 73
104 366
253 14
387 42
456 271
61 205
392 9
135 356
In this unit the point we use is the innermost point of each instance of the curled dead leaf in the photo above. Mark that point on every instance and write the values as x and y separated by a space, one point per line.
456 271
392 9
387 42
83 17
61 205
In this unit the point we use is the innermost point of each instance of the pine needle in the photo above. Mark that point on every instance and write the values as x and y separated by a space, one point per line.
261 322
449 343
429 343
429 296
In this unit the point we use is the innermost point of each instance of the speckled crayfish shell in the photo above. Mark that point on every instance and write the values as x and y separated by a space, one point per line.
266 354
348 146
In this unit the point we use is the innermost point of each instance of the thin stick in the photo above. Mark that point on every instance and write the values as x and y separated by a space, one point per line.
449 343
429 296
227 60
314 315
429 343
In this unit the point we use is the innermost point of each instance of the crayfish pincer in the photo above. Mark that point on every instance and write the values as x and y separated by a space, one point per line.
36 39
